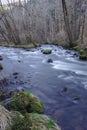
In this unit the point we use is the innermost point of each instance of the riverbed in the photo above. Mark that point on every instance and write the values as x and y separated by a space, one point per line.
61 84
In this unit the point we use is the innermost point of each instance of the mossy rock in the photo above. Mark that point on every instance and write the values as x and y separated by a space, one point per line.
25 102
83 55
35 121
1 67
47 51
1 58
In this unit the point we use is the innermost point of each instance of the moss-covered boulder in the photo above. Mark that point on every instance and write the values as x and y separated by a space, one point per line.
47 51
1 58
35 121
25 102
1 67
83 54
83 57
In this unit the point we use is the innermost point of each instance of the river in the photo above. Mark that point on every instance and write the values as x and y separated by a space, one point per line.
61 85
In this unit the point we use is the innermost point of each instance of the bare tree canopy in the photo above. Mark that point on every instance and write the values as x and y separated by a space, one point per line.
39 21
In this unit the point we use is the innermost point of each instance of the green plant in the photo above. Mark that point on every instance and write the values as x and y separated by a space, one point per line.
34 121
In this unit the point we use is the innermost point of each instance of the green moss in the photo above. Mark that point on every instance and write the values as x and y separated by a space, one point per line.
83 57
26 102
83 54
34 122
51 123
47 51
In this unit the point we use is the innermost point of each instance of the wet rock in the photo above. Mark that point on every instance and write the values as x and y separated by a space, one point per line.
27 49
19 61
3 95
35 121
1 58
76 98
25 102
1 67
75 55
50 61
4 81
16 77
65 89
68 51
15 73
47 51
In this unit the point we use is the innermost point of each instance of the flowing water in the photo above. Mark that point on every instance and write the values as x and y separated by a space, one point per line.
61 85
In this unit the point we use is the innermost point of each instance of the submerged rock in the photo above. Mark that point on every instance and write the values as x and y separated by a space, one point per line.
50 60
25 102
65 89
35 121
15 73
1 58
1 67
